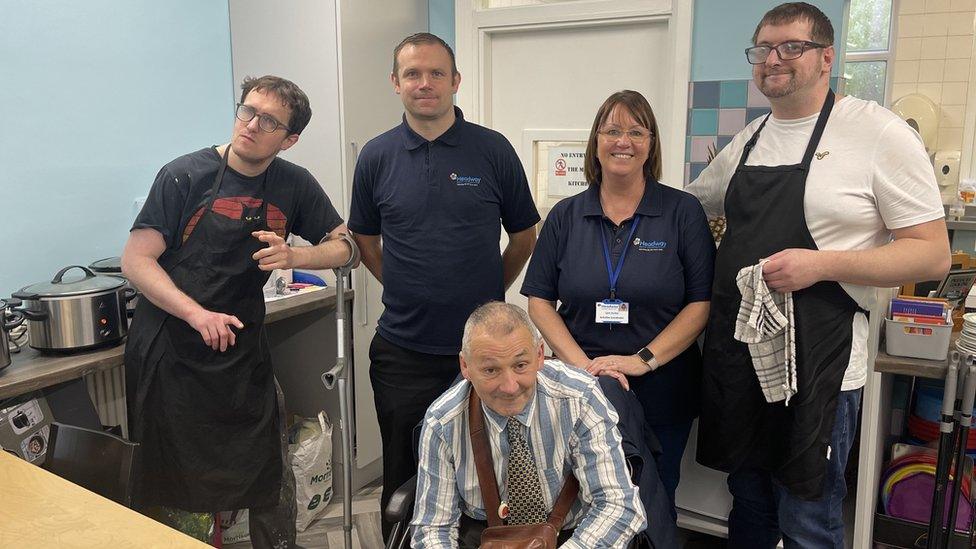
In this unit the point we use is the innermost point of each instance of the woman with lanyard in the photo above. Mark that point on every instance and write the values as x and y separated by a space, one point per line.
630 261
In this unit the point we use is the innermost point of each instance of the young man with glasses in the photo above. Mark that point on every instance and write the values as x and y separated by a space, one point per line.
201 394
829 197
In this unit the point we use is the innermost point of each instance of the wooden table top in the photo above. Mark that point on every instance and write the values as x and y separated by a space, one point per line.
31 370
40 510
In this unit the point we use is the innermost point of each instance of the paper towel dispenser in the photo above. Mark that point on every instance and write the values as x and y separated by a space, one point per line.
922 114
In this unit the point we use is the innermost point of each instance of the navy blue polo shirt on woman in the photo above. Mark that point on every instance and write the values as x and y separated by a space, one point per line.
439 206
669 263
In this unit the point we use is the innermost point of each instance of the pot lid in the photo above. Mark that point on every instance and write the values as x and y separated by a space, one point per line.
61 286
107 265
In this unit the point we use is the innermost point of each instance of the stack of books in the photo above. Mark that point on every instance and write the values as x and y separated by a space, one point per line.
920 310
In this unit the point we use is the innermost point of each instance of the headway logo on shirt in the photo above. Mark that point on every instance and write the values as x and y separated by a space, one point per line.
465 180
650 245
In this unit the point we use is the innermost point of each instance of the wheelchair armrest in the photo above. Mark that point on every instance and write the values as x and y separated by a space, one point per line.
400 506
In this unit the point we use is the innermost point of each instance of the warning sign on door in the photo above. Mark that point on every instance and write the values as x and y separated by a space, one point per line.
565 176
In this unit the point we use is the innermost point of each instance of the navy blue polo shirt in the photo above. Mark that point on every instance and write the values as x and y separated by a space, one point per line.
439 206
669 263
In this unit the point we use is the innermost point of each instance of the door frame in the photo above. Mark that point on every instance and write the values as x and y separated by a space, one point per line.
475 27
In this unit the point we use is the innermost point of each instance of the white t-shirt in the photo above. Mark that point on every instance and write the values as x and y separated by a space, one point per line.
871 175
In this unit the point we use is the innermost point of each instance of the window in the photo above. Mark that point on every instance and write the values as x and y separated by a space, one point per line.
869 53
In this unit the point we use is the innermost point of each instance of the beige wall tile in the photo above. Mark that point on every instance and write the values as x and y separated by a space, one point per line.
954 93
931 70
933 47
932 90
949 139
935 6
910 26
909 48
961 23
953 116
935 24
908 7
906 71
961 5
903 89
959 47
956 70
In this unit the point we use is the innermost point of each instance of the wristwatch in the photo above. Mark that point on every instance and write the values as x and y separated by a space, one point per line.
647 357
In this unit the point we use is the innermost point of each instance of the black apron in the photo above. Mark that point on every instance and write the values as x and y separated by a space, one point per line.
764 212
207 419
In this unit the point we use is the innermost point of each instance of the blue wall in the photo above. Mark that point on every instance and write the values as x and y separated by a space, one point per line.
98 95
440 19
723 29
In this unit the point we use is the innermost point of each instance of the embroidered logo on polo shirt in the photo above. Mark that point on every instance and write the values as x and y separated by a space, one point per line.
650 245
465 180
821 155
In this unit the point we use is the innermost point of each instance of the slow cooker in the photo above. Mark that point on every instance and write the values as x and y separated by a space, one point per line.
76 314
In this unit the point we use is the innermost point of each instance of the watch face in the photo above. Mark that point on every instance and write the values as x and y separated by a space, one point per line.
645 354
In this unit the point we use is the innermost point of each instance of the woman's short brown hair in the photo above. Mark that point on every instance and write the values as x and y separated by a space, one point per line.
640 109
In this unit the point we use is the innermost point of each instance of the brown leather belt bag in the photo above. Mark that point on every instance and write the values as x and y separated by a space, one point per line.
498 535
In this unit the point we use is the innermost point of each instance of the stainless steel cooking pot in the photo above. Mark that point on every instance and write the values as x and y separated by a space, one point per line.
9 319
76 314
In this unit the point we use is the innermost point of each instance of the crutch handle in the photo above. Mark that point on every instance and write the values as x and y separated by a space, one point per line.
354 256
969 393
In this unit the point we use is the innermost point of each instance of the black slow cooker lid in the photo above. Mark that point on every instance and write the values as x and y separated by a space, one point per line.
107 265
62 286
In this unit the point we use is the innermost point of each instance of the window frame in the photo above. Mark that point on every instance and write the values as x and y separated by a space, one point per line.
886 55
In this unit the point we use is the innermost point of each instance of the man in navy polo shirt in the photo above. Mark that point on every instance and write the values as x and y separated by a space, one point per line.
436 190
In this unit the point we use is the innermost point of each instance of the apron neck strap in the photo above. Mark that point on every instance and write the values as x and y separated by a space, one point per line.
220 176
819 128
814 138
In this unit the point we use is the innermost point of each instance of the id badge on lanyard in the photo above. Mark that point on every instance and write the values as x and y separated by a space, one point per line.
613 310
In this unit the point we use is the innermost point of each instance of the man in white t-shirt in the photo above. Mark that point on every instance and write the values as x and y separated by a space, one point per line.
840 196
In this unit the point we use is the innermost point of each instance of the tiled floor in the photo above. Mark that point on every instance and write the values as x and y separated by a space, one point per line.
327 533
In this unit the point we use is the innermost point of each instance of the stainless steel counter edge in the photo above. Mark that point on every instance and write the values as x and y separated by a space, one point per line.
31 370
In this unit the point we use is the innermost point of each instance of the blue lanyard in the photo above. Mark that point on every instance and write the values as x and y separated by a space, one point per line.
615 272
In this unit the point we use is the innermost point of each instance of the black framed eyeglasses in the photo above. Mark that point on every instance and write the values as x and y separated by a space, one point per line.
791 49
266 122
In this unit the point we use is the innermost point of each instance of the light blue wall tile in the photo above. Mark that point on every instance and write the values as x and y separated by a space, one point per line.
734 94
704 121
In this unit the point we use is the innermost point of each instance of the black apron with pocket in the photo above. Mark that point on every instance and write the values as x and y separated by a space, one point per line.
207 419
764 212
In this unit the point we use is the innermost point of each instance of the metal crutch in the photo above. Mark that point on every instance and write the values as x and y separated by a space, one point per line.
945 453
330 378
965 421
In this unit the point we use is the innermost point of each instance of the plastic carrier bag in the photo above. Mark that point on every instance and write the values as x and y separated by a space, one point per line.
310 450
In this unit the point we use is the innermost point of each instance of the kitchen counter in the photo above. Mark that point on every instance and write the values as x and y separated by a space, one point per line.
31 370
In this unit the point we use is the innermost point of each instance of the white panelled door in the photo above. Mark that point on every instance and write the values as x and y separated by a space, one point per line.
538 72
